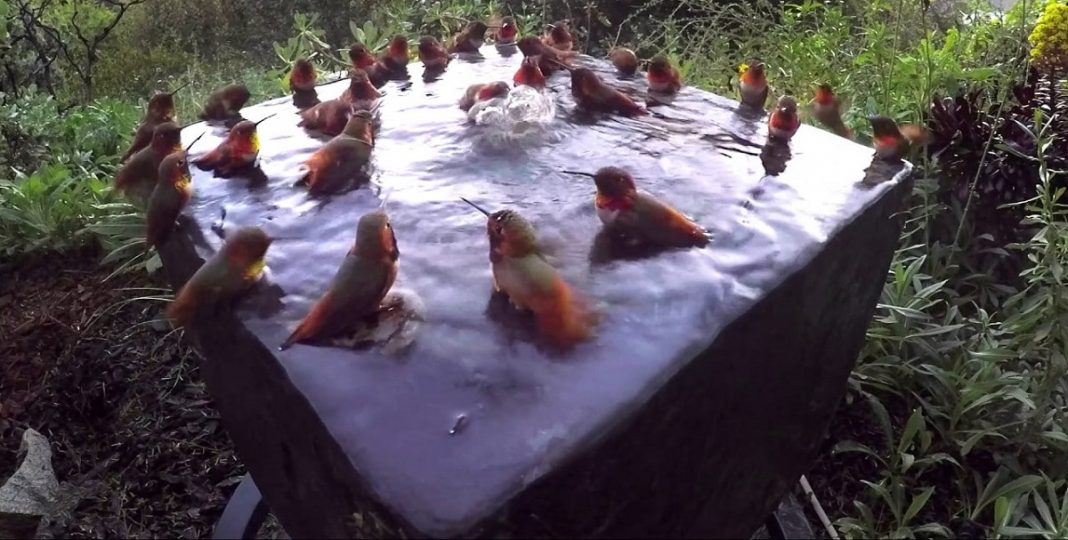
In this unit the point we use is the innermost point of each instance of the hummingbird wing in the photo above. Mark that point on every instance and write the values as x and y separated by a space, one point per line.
622 103
337 163
562 318
142 137
163 208
135 170
214 159
661 224
212 278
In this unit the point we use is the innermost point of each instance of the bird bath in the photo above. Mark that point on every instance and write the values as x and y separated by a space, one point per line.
701 397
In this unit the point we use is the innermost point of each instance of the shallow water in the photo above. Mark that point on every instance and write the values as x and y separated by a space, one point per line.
524 408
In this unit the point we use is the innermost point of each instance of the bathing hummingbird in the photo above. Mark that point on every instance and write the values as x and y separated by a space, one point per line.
361 94
224 276
521 272
137 177
558 36
432 54
753 85
174 188
784 122
224 104
529 74
395 58
360 284
238 151
622 208
827 108
508 31
483 92
663 77
328 117
302 78
893 142
342 159
550 60
592 94
160 109
362 58
625 61
470 39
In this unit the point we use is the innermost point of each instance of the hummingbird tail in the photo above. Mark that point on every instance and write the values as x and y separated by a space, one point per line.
565 320
183 307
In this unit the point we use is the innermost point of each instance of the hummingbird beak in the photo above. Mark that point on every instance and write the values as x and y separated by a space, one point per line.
258 122
202 133
385 199
475 206
283 238
579 173
560 64
181 86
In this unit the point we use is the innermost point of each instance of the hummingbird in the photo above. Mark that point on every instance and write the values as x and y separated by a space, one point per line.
174 188
237 152
432 54
395 58
361 56
827 108
160 109
508 31
621 207
892 142
137 177
558 36
529 73
521 272
360 284
663 77
302 78
343 158
483 92
753 85
625 60
784 121
470 39
550 60
231 271
328 117
361 94
592 94
224 104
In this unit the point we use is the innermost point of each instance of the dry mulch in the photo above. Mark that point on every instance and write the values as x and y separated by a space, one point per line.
133 431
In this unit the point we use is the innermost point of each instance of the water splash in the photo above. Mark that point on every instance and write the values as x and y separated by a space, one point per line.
522 116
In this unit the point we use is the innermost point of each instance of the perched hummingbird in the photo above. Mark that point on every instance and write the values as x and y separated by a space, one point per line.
529 73
328 117
592 94
784 121
160 109
508 31
892 142
432 54
360 284
137 177
483 92
361 94
342 159
302 78
550 60
621 207
224 104
559 37
470 39
396 56
521 272
663 77
827 108
625 60
754 86
173 190
236 153
222 278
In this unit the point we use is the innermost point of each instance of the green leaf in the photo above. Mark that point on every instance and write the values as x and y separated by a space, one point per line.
918 502
913 426
844 447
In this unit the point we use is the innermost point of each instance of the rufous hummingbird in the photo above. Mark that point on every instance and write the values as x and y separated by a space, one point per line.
433 56
508 32
360 284
663 77
328 117
893 142
621 207
174 187
558 36
224 104
302 79
529 73
137 177
753 85
483 92
784 122
343 159
160 109
395 58
550 60
827 108
625 61
592 94
521 272
361 56
238 152
361 94
470 39
227 274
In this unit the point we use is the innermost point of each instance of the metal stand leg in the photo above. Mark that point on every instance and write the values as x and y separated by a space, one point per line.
244 513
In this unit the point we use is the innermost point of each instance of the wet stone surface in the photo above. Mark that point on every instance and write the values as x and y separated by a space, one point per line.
524 410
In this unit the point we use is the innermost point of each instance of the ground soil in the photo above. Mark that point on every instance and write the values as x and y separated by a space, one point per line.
135 438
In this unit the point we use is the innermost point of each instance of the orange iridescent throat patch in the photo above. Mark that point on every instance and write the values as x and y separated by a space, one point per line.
611 203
